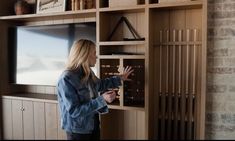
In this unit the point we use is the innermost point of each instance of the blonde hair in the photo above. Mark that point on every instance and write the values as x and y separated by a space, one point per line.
78 57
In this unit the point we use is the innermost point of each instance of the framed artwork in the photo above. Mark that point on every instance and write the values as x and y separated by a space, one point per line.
50 6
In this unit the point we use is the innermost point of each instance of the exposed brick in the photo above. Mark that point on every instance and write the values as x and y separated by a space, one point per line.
216 97
229 61
215 1
230 105
213 106
232 89
220 70
212 23
225 31
215 62
232 52
217 52
221 128
213 117
229 6
220 105
215 7
216 88
228 118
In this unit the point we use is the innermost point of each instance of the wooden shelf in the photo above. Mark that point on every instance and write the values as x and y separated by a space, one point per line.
179 43
139 8
35 17
118 56
126 108
115 43
189 4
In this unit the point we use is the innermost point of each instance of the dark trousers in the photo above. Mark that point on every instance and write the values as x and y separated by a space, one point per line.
76 136
95 135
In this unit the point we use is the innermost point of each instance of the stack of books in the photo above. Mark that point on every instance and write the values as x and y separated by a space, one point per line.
81 4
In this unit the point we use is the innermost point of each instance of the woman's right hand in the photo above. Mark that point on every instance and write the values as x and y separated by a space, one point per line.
126 72
109 96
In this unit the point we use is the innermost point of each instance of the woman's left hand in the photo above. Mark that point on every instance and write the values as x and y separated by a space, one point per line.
127 71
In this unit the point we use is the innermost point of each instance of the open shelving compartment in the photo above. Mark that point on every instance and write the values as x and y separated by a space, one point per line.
117 43
120 3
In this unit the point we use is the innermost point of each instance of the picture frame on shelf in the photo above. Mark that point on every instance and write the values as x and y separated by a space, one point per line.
50 6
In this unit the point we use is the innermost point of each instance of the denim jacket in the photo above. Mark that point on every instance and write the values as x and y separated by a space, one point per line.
77 109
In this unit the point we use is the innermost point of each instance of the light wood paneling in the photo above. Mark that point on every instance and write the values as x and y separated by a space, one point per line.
61 132
17 120
177 69
51 121
140 126
39 121
28 120
129 123
177 42
7 117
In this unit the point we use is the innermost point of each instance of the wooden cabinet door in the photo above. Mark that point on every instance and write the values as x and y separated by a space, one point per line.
61 132
7 119
51 121
39 121
17 120
28 120
22 119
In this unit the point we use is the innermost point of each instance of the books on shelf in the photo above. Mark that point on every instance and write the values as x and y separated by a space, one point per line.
81 4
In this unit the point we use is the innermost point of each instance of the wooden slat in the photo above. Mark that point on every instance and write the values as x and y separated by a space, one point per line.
17 119
7 118
61 132
140 125
39 121
28 120
129 129
51 121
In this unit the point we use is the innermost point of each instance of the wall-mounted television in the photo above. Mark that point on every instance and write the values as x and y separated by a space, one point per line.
37 54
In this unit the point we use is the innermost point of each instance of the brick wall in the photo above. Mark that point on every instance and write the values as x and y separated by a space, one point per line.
220 107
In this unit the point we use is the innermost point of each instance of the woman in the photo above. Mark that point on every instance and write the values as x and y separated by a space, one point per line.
78 87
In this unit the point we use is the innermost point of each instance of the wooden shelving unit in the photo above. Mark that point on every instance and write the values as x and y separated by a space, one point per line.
30 17
166 99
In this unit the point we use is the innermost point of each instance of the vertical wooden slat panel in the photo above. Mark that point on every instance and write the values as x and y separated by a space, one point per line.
129 129
17 119
112 125
140 124
28 120
51 122
39 121
7 118
61 132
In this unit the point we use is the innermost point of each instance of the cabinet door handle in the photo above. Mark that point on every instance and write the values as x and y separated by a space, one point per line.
22 108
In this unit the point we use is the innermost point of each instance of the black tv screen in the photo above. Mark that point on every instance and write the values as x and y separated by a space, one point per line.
39 53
